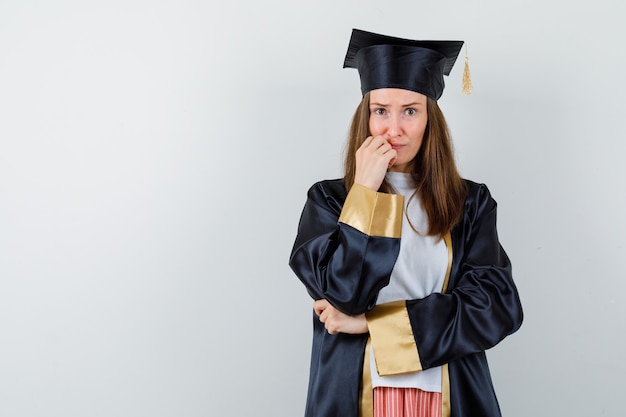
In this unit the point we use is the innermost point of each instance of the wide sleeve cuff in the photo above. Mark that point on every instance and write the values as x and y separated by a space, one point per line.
393 342
373 213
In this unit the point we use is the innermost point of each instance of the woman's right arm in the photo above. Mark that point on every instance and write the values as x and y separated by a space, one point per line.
344 252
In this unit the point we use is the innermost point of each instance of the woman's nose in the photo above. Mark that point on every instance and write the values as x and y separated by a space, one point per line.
394 127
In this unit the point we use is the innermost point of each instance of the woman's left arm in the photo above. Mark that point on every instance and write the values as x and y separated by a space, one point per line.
481 308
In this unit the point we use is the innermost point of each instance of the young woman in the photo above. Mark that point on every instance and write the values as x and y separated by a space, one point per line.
401 256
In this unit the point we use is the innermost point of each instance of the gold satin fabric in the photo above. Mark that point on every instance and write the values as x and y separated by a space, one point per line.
392 339
367 391
446 408
373 213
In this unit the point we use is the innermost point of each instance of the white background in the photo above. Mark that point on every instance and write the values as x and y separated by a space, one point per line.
155 157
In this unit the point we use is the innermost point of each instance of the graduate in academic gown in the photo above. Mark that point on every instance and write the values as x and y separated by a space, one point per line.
425 321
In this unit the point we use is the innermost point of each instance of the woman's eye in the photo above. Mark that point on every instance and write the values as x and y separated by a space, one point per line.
410 112
379 112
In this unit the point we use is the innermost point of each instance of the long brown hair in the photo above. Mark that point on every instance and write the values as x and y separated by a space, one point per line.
439 185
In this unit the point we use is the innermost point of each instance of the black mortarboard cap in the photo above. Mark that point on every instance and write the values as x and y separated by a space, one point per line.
388 62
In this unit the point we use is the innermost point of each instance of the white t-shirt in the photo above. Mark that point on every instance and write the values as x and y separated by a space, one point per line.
419 271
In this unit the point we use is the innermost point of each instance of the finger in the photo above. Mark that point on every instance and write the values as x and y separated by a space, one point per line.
366 142
323 316
384 148
330 325
378 141
319 306
373 142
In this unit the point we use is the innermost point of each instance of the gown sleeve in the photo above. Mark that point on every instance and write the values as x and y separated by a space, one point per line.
344 251
481 308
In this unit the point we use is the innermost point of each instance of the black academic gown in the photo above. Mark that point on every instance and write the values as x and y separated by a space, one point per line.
348 267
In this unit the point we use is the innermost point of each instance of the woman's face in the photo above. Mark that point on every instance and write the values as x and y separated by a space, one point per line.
400 117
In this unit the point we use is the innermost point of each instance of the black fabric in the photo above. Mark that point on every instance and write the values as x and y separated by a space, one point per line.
390 62
481 306
336 261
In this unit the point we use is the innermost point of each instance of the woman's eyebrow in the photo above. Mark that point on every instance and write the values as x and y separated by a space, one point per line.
403 105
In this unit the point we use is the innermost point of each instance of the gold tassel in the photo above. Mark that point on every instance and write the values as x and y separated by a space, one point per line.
467 79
